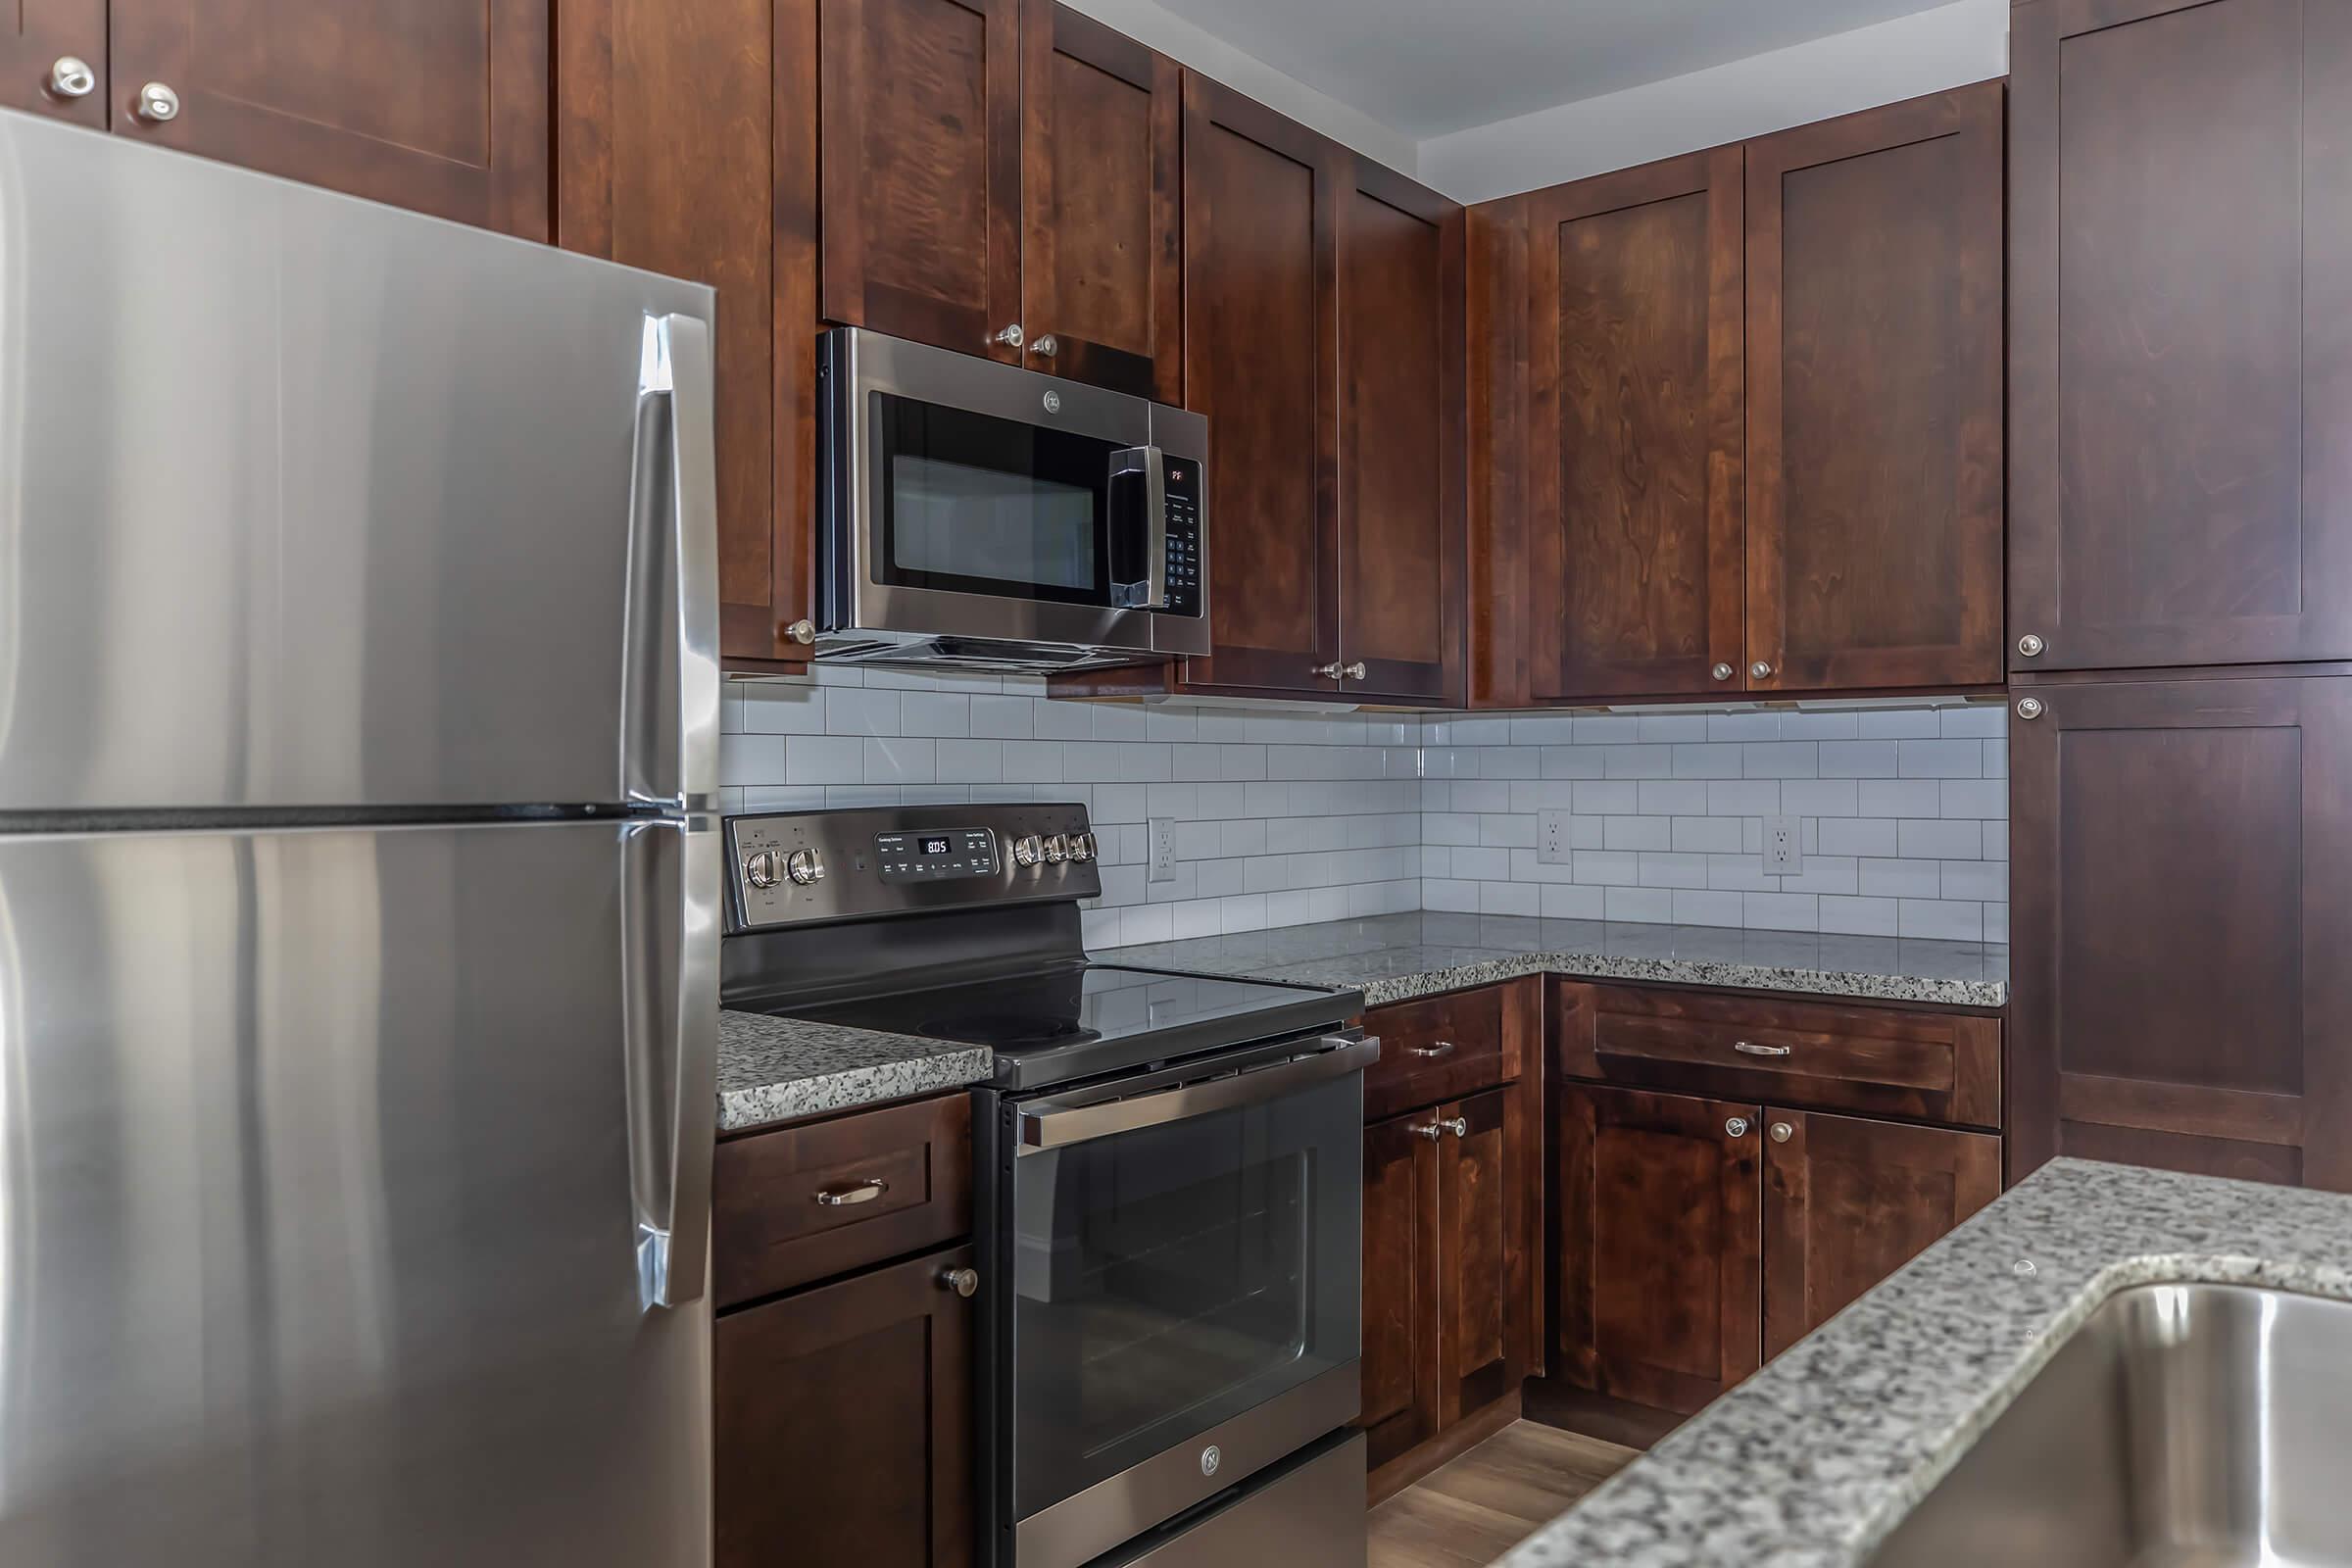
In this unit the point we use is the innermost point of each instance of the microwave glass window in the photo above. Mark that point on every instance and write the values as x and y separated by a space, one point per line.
957 521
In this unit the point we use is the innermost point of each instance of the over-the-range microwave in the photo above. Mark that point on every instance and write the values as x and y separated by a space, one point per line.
979 515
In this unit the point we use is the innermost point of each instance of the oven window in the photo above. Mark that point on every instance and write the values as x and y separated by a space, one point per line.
973 504
1168 1279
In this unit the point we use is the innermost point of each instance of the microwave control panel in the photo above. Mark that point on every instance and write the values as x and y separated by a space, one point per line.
1183 481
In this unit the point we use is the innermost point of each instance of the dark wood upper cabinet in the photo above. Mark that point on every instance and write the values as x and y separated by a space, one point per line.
1484 1190
1874 398
1630 553
841 1424
1847 1203
920 170
1400 1400
1400 440
37 39
686 143
1101 248
1660 1244
1261 207
2181 368
2182 917
437 105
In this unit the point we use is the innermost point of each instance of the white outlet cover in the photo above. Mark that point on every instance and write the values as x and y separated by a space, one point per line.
1551 838
1783 847
1164 848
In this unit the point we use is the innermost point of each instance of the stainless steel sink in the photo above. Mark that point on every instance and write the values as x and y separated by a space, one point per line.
2187 1426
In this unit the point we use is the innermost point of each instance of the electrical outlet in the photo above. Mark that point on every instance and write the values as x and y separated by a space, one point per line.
1551 838
1784 850
1164 848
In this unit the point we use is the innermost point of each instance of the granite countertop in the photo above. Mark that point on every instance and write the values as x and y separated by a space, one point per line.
776 1069
1395 957
1817 1457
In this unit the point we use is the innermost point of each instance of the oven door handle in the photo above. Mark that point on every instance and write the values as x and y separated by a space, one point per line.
1057 1125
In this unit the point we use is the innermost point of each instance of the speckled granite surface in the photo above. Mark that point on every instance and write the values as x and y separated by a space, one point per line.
1393 958
774 1069
1815 1459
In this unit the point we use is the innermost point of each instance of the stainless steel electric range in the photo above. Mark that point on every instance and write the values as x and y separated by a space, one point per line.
1169 1184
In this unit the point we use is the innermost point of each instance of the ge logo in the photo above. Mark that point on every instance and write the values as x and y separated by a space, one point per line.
1210 1457
1052 403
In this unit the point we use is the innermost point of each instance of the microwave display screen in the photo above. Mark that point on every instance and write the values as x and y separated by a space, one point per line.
958 519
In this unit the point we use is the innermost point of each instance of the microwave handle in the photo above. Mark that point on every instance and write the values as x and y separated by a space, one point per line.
1153 587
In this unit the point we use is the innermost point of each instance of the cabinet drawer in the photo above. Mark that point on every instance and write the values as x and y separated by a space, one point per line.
1439 1048
1931 1066
806 1203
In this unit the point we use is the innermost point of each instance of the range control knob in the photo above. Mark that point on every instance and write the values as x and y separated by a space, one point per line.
1058 849
804 866
1082 847
763 869
1028 849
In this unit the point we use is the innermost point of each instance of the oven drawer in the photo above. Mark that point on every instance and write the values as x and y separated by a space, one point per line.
1438 1048
820 1199
1929 1065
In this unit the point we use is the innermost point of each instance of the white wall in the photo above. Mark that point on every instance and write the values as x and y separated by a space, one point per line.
1928 52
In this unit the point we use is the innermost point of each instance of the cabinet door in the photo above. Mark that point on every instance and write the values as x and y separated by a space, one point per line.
1484 1194
1661 1254
35 35
1401 1286
1632 549
843 1424
439 105
645 90
2181 910
2180 280
1847 1203
1402 495
1101 248
920 168
1874 398
1261 208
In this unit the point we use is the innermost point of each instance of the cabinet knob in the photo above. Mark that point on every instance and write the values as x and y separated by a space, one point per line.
1010 336
1355 671
2031 646
802 631
1330 671
72 77
156 104
1737 1127
1459 1126
1722 673
1781 1132
1433 1132
962 1281
1046 347
1760 670
2028 708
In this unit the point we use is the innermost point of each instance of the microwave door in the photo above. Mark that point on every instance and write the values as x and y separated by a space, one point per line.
1138 527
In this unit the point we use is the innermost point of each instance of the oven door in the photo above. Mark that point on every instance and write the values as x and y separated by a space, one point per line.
1186 1260
970 498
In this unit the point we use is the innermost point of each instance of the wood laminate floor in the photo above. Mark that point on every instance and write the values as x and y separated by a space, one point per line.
1493 1497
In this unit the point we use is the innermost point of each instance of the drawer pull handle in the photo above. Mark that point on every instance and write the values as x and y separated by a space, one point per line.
865 1191
1442 1047
1750 1048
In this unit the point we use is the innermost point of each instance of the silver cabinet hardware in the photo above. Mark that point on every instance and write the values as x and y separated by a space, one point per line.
1046 347
1437 1048
864 1192
804 866
1760 670
70 76
1330 671
803 632
2031 646
1737 1127
1748 1048
1355 671
1010 336
2028 708
1459 1126
962 1281
156 104
1722 673
1781 1132
1433 1132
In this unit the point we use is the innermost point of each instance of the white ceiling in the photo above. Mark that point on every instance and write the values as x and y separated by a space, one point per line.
1429 67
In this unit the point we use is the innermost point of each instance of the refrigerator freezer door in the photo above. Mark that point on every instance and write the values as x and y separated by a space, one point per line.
308 502
320 1241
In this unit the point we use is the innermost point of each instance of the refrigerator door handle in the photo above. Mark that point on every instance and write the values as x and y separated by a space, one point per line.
670 694
669 931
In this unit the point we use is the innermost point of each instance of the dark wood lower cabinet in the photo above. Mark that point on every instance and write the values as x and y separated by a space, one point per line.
1400 1409
842 1422
1482 1198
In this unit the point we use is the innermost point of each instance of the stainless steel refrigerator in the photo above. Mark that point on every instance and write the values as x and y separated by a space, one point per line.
357 939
